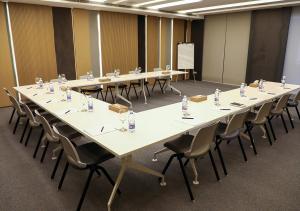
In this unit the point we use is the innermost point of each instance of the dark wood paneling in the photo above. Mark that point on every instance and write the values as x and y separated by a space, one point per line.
141 41
64 46
197 32
267 44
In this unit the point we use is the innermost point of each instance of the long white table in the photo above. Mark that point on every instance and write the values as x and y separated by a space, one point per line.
152 126
129 77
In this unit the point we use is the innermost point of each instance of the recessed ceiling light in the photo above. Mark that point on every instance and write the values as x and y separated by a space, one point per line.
98 1
147 3
172 4
117 2
226 6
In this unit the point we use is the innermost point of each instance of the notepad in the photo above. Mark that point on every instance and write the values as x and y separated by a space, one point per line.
97 130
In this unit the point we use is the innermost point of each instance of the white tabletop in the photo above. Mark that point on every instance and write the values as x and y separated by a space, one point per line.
122 78
152 126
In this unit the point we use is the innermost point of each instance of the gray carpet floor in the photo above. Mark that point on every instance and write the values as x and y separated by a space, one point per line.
268 181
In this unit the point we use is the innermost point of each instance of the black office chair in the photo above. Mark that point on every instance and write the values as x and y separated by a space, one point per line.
294 102
88 156
161 81
138 83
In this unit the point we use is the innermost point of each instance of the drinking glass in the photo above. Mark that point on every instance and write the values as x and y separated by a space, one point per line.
37 80
122 117
83 103
63 93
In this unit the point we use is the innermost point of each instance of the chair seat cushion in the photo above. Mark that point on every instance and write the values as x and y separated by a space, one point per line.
221 132
180 145
91 89
293 103
121 86
67 131
138 83
92 154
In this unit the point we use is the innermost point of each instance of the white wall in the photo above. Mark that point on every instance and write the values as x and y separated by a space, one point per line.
292 56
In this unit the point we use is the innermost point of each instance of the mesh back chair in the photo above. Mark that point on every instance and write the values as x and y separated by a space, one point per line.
138 83
51 136
229 132
260 118
278 111
161 80
91 89
14 109
192 147
88 156
294 102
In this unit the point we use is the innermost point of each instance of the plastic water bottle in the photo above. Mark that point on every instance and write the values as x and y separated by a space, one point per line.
283 81
242 90
90 104
69 96
184 105
217 97
261 85
51 87
131 121
59 79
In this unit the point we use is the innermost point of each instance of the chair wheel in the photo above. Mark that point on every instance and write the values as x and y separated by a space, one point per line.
195 182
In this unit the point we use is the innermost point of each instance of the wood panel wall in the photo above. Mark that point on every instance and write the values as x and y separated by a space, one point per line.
119 41
82 41
152 42
165 39
33 35
6 70
178 36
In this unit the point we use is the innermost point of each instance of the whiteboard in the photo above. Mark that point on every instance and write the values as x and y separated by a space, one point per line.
185 59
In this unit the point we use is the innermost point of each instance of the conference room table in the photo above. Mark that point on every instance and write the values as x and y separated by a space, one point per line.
116 80
152 126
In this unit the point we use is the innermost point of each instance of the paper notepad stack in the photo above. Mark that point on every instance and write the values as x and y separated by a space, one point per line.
104 79
118 108
198 98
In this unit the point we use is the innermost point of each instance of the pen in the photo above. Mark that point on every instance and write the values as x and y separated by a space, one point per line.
67 111
49 101
29 87
35 94
187 118
102 129
225 109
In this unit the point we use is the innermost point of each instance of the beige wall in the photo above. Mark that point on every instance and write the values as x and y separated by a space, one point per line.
236 51
229 55
213 50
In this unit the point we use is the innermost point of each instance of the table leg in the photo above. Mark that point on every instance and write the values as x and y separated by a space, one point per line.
171 87
118 95
127 162
143 89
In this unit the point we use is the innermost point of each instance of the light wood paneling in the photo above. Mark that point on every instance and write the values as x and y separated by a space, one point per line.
32 28
236 50
213 50
165 52
152 42
178 36
119 41
81 30
6 70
